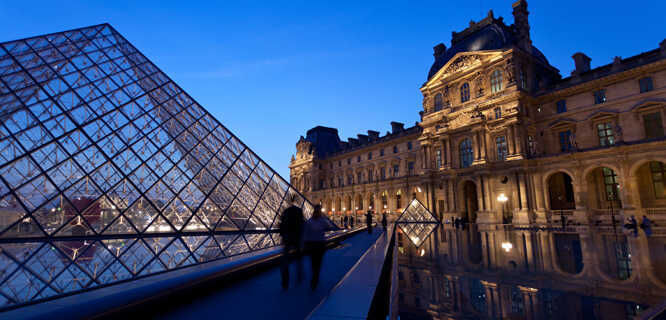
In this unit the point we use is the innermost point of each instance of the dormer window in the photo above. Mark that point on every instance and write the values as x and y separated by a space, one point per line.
600 96
464 92
438 102
496 81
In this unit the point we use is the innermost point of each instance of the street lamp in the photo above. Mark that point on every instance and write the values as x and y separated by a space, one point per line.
502 198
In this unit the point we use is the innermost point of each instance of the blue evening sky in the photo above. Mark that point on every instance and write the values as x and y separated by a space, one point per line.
270 71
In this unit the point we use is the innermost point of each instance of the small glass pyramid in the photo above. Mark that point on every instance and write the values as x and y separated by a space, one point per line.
109 171
417 222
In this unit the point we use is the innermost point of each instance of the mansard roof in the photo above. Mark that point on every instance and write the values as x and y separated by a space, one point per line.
487 34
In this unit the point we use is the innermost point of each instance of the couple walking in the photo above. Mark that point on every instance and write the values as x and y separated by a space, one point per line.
295 232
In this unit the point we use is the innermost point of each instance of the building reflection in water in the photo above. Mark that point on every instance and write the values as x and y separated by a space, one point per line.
494 271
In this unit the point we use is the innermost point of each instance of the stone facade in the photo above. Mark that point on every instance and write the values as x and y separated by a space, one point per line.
504 138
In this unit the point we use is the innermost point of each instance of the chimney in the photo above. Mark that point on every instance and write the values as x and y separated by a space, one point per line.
582 62
522 24
362 139
374 135
439 49
397 127
352 142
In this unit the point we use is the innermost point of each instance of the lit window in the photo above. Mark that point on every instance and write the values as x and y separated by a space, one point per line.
565 141
605 131
500 142
600 96
466 153
464 92
561 106
438 102
496 81
645 84
610 182
438 158
498 112
658 171
654 128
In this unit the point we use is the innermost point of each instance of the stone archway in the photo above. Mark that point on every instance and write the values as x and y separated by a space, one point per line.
603 189
569 252
561 192
650 178
470 201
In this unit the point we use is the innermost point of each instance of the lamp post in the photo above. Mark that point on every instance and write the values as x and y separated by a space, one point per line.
502 198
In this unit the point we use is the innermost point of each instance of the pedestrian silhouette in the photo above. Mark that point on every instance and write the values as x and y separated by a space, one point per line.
291 232
384 221
646 225
346 221
368 221
315 241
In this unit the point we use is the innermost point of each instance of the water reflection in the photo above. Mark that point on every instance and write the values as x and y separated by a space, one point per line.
500 272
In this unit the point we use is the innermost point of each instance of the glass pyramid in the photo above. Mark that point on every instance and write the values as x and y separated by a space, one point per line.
417 222
109 171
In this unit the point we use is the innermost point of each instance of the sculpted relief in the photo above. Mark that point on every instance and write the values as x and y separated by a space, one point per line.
462 63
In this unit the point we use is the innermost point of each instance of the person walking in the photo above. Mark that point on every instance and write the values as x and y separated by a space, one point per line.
291 232
368 221
646 225
346 221
384 221
315 241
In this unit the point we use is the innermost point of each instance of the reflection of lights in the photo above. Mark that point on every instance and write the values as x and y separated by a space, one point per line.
370 207
422 252
323 209
418 189
415 239
333 209
384 206
356 208
507 246
502 198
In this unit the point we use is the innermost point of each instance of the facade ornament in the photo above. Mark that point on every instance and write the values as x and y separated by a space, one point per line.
479 84
463 63
509 69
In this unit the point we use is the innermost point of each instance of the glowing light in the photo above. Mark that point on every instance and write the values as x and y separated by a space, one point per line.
422 252
418 189
507 246
502 198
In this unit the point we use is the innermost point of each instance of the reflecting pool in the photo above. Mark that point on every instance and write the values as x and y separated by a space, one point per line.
497 271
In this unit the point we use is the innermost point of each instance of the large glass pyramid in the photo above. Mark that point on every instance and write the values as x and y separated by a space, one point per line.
417 222
109 171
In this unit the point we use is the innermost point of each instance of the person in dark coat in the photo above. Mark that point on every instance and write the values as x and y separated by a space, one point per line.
351 222
368 221
346 221
315 241
291 232
646 225
384 220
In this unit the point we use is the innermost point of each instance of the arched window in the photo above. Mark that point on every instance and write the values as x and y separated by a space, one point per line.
464 92
466 153
438 102
496 81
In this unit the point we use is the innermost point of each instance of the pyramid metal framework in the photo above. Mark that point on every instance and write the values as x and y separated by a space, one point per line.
109 171
417 222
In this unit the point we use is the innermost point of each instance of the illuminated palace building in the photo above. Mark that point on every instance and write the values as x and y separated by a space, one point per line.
504 138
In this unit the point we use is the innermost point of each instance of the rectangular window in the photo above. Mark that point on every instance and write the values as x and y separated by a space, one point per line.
369 155
565 141
396 170
339 163
501 146
438 158
359 177
409 145
610 182
358 159
410 168
657 170
381 152
605 132
653 125
498 113
645 84
600 96
561 106
530 145
349 161
382 173
370 175
350 179
395 149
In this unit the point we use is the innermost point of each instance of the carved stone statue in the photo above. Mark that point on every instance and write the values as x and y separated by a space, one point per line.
509 68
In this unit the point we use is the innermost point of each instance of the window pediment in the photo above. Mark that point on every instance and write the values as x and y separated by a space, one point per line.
562 124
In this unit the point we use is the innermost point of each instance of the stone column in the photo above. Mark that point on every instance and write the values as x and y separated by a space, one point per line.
448 152
475 147
518 139
452 196
482 139
531 299
509 140
539 193
492 300
522 216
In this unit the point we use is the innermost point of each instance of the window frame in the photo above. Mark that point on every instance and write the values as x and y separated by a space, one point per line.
600 96
645 84
464 92
466 150
606 139
498 112
660 123
501 148
496 81
567 132
561 106
438 102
